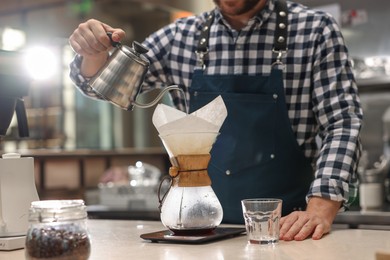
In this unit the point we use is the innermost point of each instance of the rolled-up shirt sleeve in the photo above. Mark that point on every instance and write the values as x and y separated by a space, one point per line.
79 80
339 117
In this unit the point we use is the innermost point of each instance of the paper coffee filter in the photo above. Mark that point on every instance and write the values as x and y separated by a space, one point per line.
164 114
214 112
188 124
188 143
194 133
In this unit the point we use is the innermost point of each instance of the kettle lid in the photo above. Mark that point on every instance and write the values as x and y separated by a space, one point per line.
136 52
11 156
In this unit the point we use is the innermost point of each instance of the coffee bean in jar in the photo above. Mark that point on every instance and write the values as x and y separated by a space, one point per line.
57 231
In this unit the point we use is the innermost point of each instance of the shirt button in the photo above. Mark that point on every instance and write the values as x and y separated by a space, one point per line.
228 172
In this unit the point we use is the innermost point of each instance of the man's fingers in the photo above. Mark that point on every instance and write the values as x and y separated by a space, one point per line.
117 34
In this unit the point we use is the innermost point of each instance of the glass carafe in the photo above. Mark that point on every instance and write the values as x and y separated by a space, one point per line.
190 206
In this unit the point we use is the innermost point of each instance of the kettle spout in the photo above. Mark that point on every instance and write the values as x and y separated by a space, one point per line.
160 95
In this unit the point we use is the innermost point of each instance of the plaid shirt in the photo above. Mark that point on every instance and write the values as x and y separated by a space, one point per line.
321 93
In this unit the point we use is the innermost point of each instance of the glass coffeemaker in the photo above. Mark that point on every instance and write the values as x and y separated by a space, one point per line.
190 206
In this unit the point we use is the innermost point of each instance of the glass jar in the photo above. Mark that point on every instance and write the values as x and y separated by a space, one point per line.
57 230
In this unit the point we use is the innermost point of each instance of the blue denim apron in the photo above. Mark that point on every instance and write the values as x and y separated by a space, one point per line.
256 154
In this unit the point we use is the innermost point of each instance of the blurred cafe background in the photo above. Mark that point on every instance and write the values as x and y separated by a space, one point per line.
76 141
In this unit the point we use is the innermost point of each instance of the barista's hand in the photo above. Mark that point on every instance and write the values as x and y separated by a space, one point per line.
90 38
315 221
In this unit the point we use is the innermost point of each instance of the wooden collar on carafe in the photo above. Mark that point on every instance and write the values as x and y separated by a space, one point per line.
191 170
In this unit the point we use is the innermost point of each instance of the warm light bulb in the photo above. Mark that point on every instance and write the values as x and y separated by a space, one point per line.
13 39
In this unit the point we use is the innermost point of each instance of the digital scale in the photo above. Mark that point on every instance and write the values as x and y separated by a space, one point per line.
12 243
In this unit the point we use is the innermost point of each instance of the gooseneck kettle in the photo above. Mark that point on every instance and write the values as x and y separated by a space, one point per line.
120 79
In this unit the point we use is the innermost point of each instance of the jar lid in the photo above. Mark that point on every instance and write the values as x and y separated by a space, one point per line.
57 210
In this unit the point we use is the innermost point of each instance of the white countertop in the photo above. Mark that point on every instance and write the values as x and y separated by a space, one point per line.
120 239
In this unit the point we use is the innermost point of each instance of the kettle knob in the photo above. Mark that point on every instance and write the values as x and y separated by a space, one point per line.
113 43
139 48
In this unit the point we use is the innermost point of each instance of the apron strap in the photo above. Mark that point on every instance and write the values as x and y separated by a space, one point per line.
202 49
280 36
204 34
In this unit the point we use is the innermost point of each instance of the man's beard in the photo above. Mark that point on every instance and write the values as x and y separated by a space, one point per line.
246 7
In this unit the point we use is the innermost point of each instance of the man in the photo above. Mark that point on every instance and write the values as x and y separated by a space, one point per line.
286 79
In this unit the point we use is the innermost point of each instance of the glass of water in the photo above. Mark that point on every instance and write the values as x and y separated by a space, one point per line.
262 217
